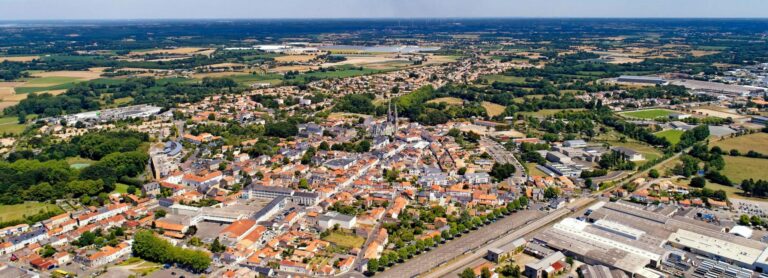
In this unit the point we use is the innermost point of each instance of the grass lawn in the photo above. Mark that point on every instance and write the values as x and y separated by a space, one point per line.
493 109
139 266
448 100
11 125
16 212
121 188
649 152
738 168
345 239
504 78
533 171
672 135
753 142
648 114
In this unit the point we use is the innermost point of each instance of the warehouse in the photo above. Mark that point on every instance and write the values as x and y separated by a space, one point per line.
641 79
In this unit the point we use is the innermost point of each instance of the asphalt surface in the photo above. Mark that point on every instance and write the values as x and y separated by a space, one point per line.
465 244
503 156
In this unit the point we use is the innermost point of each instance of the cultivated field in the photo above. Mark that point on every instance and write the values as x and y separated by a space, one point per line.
180 50
295 58
493 109
16 212
738 168
18 58
753 142
648 114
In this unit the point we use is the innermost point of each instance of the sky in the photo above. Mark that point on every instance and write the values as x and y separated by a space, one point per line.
230 9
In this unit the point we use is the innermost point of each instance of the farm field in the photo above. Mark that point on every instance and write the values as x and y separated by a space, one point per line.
180 50
753 142
672 135
648 114
294 58
19 211
18 58
493 109
345 239
447 100
738 168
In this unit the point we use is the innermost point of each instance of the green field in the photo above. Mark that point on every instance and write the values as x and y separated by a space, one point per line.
533 171
753 142
345 239
548 112
120 188
648 114
738 168
11 125
338 73
17 212
504 78
672 135
613 138
51 80
447 100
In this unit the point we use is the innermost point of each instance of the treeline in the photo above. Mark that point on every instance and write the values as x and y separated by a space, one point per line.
10 71
46 176
94 145
151 248
754 188
89 96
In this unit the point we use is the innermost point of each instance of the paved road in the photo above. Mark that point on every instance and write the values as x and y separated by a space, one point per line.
476 257
457 247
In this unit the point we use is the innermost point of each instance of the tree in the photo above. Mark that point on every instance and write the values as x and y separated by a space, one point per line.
744 220
698 182
373 265
485 273
502 171
149 247
756 221
551 192
653 173
160 213
217 247
467 273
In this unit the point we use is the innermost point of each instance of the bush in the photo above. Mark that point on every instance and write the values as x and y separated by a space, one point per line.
698 182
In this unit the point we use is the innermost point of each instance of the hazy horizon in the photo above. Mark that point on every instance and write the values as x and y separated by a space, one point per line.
21 10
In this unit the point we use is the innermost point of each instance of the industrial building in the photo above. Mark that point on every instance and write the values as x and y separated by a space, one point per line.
639 239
